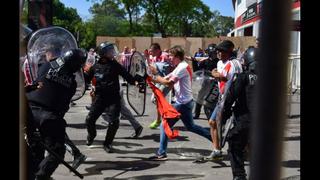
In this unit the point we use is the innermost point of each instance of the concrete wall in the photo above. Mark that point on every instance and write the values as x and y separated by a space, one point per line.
125 41
142 43
163 42
193 44
190 44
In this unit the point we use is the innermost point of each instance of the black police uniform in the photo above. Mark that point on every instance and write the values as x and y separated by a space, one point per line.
107 98
208 84
241 94
49 105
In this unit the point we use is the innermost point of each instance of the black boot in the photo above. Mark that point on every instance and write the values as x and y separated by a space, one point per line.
111 132
197 111
91 129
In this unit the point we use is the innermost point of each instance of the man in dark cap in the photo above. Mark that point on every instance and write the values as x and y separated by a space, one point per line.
206 64
227 66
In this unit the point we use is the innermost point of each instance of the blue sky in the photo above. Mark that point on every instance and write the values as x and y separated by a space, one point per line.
223 6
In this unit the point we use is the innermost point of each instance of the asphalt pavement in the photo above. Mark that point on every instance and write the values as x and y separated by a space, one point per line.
130 159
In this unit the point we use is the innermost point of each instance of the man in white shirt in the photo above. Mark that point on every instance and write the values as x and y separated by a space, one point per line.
227 66
179 79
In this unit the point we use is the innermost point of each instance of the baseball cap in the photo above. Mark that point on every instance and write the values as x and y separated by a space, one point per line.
225 45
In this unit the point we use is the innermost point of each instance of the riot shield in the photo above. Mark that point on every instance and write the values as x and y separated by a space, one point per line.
81 89
59 40
124 60
224 129
204 87
136 96
201 84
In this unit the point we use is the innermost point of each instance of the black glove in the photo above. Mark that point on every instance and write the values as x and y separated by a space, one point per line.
32 87
139 79
142 87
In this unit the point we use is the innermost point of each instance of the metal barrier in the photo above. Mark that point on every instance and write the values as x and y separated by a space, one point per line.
293 108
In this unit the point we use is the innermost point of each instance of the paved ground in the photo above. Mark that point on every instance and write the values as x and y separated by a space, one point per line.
130 158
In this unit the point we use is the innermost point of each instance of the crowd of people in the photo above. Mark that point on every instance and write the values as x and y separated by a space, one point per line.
52 84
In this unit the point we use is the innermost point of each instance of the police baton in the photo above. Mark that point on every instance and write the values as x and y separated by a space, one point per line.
61 160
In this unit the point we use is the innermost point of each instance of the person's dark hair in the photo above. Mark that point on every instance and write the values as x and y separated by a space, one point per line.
177 51
155 46
226 46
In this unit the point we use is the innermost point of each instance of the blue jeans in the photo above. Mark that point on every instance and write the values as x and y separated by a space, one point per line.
215 112
187 119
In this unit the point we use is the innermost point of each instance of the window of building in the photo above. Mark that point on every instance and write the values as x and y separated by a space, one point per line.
248 31
238 2
296 15
295 42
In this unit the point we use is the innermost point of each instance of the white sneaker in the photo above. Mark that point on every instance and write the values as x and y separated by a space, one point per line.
215 154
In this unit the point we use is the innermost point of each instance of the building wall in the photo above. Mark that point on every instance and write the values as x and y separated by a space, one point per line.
240 26
190 44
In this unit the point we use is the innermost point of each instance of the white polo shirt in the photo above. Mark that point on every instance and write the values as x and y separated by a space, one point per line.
182 76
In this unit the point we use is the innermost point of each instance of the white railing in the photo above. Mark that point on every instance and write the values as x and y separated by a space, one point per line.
294 85
294 73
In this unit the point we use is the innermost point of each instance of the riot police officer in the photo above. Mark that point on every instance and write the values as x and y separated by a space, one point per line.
106 72
206 64
49 103
241 94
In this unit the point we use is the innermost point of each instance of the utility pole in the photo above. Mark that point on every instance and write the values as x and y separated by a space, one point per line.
268 123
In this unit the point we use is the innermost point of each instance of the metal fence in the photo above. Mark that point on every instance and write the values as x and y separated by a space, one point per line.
294 85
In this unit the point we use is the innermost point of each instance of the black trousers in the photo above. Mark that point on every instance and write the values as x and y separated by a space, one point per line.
111 106
52 129
71 147
237 143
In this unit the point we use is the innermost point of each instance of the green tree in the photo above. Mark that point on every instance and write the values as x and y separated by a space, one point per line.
65 17
177 18
157 13
108 8
191 18
132 7
87 35
69 19
222 24
108 19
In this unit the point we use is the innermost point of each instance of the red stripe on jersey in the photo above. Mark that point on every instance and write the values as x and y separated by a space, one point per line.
222 83
190 72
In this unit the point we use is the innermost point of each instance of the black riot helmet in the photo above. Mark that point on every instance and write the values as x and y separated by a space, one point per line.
250 58
104 47
212 53
74 59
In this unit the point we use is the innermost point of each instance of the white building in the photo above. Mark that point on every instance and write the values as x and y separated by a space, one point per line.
247 20
246 23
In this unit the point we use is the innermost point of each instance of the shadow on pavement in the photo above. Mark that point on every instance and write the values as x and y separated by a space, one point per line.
291 164
292 138
83 126
156 138
138 165
296 177
114 144
160 176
